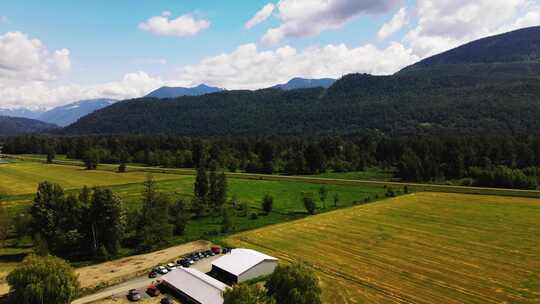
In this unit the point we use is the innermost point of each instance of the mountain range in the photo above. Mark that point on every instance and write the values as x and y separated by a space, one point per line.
68 114
486 86
303 83
453 92
173 92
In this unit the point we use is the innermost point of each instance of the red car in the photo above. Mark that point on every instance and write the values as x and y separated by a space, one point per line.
216 250
153 291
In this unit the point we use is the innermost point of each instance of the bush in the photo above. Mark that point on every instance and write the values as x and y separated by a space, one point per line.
254 216
268 203
309 203
390 192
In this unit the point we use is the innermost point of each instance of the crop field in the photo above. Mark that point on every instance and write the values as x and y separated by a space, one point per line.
24 177
419 248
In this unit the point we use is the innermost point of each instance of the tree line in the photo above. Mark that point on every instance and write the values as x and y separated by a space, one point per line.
472 160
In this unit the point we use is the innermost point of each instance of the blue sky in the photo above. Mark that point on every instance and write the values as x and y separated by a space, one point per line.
98 48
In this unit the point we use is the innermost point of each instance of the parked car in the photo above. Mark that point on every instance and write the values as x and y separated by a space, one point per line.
166 301
184 263
162 270
134 295
216 250
153 291
171 266
153 274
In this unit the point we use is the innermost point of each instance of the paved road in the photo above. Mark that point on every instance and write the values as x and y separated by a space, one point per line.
140 283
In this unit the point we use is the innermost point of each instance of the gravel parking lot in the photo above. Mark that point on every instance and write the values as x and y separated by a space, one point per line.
118 293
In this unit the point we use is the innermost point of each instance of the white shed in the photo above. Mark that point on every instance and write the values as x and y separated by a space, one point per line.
193 286
241 265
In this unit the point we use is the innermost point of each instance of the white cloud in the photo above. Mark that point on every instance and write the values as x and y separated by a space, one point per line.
23 59
166 14
249 68
185 25
395 24
301 18
40 94
261 15
444 24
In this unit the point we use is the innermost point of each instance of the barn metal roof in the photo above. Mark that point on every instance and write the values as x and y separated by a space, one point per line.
199 286
241 260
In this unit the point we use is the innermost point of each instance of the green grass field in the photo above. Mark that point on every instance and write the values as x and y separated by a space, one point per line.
419 248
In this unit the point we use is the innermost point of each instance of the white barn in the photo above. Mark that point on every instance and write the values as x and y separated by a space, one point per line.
193 286
241 265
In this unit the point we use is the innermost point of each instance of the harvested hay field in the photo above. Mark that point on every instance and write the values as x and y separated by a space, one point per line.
23 177
419 248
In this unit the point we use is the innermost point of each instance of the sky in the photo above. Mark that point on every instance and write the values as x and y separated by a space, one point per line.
57 52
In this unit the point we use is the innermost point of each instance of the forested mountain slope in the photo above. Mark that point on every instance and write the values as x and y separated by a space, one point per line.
501 56
17 125
437 95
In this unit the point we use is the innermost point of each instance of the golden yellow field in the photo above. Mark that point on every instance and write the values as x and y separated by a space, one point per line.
24 177
419 248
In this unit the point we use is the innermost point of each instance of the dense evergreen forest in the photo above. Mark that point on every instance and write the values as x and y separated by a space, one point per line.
391 105
493 161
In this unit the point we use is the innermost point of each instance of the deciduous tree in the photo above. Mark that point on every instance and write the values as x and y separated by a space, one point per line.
43 280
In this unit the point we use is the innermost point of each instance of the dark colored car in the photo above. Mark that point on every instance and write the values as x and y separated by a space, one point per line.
152 274
134 295
166 301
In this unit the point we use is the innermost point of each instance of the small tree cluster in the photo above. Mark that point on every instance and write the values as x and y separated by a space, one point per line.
74 226
43 280
210 190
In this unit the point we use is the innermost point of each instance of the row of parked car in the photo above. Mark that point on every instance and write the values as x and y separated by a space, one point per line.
187 261
135 296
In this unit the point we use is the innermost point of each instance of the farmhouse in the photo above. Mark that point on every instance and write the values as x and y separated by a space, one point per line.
241 265
193 286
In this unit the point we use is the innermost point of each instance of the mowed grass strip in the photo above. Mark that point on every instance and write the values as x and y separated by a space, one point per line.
419 248
24 177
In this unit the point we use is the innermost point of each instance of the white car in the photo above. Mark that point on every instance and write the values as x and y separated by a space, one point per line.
162 270
171 266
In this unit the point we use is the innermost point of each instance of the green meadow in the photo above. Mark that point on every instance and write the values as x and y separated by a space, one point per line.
19 181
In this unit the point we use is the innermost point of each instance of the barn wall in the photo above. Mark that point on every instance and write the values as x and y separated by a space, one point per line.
264 268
